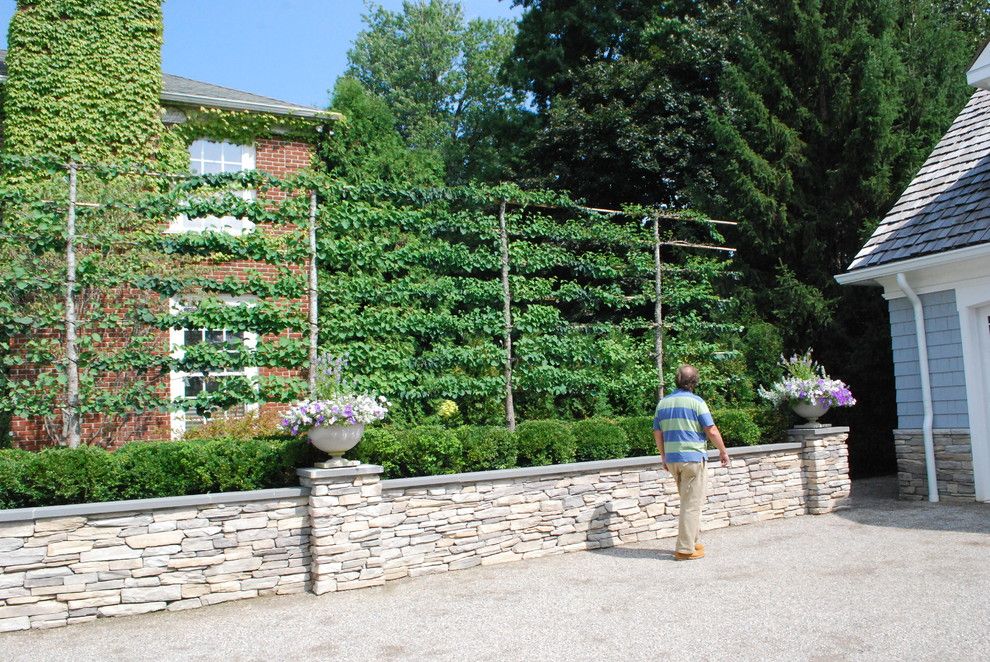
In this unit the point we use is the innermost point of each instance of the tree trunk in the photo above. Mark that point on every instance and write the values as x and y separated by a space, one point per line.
71 425
658 329
510 410
313 297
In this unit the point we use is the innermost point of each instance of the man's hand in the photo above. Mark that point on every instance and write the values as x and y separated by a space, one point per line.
723 457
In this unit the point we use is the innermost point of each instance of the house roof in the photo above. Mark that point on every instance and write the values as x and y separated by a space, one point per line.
188 92
947 204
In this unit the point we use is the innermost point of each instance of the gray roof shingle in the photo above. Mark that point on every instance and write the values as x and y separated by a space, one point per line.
947 205
185 91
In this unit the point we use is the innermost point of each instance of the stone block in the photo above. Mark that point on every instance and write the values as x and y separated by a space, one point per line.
238 565
58 525
33 609
195 562
116 553
243 523
131 609
179 605
147 594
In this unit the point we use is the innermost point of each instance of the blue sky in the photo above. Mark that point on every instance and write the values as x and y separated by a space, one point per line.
288 49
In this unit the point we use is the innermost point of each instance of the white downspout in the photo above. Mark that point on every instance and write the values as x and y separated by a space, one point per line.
926 385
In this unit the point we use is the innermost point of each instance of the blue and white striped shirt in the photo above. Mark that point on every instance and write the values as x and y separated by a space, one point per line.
683 416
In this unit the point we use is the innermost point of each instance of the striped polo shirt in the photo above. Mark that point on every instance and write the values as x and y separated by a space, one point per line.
683 416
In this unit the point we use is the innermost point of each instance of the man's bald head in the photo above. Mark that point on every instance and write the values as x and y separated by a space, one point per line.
687 377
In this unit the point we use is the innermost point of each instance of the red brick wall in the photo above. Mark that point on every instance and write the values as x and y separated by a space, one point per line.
277 157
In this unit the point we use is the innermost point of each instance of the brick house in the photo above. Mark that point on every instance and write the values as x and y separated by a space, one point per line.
274 154
931 256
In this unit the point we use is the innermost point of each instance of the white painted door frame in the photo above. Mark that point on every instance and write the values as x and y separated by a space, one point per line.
973 302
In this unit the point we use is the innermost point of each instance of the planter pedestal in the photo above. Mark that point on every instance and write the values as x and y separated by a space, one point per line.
336 440
810 413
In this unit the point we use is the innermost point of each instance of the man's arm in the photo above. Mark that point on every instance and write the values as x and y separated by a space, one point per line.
658 438
715 437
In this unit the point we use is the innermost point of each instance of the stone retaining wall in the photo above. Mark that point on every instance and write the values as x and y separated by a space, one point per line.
367 532
345 529
953 464
55 571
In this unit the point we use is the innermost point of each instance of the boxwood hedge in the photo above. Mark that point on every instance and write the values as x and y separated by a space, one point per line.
138 470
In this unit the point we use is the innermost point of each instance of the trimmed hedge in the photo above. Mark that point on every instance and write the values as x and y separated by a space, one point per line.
639 432
545 442
139 470
598 439
737 427
157 469
487 447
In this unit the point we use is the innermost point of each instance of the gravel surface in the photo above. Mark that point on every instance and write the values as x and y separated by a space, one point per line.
882 580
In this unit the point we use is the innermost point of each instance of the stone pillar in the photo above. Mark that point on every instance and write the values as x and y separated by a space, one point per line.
342 506
825 460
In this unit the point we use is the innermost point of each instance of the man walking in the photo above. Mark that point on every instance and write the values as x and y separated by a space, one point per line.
680 427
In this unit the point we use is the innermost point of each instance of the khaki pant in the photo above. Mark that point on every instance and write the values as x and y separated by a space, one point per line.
690 478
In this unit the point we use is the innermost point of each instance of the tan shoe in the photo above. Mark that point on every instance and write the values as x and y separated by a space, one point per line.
679 556
700 547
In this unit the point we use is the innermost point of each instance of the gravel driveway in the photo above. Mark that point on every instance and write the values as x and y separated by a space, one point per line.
882 580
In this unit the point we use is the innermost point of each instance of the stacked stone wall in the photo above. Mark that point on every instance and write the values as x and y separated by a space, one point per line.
78 568
346 529
953 465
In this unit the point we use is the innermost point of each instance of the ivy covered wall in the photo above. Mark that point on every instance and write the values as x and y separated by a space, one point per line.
84 80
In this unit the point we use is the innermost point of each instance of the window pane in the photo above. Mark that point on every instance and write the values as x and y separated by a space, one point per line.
214 337
212 385
194 385
236 338
210 167
232 153
196 167
212 150
193 336
196 150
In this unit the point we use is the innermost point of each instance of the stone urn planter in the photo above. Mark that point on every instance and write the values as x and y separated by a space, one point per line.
335 440
810 412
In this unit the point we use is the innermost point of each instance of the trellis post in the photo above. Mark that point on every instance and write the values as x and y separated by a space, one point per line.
658 306
71 425
313 297
510 410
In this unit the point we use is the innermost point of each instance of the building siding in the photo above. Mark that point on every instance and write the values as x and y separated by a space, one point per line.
945 362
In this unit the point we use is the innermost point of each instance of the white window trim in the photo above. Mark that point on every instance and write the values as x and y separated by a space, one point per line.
232 226
177 379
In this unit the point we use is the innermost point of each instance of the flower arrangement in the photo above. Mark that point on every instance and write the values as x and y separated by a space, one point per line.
805 381
338 410
335 403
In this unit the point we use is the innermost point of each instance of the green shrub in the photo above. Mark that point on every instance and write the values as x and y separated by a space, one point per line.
599 439
162 468
487 447
223 465
141 470
737 427
545 442
379 446
76 475
773 423
16 490
429 450
639 432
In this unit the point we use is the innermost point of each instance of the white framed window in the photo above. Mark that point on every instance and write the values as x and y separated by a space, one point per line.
210 157
187 385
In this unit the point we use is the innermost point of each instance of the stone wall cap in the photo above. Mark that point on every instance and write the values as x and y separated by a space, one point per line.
826 431
312 473
645 462
144 505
